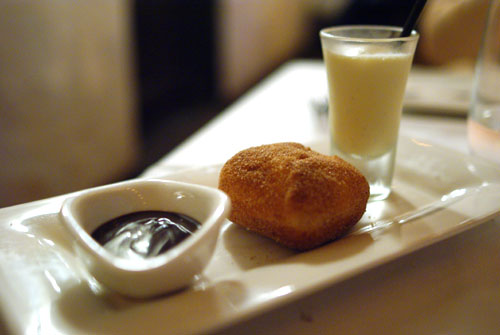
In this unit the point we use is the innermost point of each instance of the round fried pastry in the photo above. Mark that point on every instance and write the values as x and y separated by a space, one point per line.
294 195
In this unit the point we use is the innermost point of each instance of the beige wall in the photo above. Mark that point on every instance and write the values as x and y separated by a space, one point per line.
67 107
254 36
450 31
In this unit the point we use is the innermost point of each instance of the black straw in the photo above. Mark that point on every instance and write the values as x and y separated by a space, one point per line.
412 19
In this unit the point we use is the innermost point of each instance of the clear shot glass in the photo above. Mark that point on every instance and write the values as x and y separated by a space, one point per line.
367 69
483 124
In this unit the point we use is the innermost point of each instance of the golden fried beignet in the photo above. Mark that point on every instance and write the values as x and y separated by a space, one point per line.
294 195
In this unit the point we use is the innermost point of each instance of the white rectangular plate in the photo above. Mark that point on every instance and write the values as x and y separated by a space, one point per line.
45 289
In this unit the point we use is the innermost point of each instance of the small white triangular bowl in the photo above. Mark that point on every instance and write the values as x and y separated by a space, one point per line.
169 271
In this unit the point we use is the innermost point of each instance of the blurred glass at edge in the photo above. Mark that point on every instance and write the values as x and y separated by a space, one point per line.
484 116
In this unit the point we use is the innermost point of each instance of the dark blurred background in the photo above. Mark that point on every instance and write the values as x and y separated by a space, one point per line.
176 67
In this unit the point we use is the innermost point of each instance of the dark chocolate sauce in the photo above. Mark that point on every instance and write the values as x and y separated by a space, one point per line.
144 234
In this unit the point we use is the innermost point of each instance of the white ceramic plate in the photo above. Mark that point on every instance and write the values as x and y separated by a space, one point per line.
44 288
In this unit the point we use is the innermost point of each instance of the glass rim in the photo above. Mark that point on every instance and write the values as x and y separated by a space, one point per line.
329 32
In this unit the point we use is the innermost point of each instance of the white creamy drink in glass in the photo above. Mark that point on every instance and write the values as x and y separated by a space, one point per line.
367 69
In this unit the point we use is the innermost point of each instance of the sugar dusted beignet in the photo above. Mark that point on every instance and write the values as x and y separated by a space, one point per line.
294 195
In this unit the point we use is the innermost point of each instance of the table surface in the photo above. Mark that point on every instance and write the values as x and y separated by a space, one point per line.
398 297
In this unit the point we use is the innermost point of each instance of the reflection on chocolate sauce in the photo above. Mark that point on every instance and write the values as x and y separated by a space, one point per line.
144 234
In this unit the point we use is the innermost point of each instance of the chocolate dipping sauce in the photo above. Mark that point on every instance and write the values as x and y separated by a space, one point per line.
144 234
